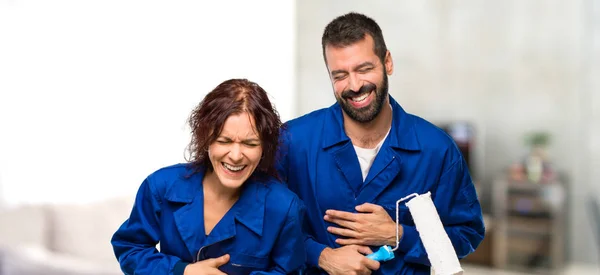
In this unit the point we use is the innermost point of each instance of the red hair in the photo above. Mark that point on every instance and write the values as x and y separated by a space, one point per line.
231 97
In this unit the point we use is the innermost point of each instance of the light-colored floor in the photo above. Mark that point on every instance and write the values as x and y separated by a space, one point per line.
570 270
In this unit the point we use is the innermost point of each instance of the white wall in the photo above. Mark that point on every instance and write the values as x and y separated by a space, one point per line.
594 90
94 95
589 162
509 67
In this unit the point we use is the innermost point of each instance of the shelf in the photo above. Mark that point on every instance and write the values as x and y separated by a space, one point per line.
529 225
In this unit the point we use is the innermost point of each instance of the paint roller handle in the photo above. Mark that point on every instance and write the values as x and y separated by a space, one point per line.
384 253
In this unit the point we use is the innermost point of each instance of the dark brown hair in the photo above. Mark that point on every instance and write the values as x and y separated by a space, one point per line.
233 97
350 28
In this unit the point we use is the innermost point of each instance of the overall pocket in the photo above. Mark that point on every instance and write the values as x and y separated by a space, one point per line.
242 264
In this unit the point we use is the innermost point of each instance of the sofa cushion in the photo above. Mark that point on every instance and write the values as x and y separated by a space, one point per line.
37 260
85 230
23 225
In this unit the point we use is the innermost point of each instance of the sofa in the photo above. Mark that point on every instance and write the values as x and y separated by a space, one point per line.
61 238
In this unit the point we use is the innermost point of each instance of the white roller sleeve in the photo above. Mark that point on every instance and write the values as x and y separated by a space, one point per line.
439 249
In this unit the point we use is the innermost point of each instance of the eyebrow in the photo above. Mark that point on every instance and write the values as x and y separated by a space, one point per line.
245 140
360 66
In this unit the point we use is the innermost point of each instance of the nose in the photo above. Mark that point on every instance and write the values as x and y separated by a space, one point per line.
354 82
235 154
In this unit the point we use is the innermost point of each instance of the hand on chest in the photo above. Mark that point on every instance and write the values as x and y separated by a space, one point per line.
339 181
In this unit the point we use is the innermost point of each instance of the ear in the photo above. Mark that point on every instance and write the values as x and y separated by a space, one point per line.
388 63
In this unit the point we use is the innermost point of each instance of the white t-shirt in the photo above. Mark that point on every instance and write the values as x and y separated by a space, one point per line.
367 156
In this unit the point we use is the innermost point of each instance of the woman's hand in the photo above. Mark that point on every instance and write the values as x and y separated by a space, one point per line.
207 267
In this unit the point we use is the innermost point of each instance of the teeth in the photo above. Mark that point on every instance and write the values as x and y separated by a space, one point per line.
359 99
233 168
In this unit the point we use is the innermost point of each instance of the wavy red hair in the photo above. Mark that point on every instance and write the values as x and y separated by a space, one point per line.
231 97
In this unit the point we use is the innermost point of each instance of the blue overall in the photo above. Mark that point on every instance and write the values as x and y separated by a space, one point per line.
321 166
262 232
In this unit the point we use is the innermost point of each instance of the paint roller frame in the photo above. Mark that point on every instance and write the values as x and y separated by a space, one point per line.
386 253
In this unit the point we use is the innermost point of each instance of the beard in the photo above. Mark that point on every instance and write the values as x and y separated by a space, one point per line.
367 113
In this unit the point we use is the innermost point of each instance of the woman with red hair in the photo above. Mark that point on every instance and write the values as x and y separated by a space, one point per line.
225 211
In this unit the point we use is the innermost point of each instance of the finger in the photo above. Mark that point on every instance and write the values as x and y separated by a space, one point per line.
363 249
368 208
371 264
342 215
348 241
216 262
342 232
340 222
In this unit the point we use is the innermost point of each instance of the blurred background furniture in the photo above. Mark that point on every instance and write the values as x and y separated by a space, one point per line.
463 135
61 239
530 221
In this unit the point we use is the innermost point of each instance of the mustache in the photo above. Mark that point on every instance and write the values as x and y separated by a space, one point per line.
363 90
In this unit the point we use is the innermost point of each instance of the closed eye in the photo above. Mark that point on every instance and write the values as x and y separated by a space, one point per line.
339 77
365 70
364 67
252 143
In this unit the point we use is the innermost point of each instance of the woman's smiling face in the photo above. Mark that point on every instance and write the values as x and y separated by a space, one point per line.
237 151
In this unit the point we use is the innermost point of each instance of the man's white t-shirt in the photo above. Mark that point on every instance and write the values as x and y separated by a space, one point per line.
367 156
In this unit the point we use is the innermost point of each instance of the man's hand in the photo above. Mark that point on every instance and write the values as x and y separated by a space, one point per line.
372 226
347 260
207 267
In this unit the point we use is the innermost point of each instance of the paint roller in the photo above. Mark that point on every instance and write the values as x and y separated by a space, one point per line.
438 246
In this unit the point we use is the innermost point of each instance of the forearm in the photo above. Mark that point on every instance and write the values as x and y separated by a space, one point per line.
456 202
464 238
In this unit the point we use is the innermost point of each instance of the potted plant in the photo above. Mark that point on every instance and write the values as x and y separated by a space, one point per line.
535 161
